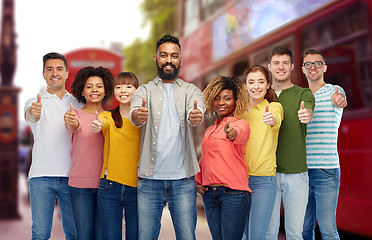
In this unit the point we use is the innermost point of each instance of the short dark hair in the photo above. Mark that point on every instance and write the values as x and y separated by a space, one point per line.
314 52
87 72
280 50
168 38
54 55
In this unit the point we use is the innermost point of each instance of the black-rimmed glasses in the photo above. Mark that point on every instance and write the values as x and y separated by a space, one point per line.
317 64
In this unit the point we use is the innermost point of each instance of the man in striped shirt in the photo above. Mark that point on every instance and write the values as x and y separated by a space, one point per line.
321 148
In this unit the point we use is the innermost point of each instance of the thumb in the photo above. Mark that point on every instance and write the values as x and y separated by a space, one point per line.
71 107
143 102
98 119
302 106
227 125
195 104
38 98
267 108
336 90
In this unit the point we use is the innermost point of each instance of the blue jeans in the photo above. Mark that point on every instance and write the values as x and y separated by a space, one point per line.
322 205
226 211
43 194
294 189
113 197
86 215
262 203
181 198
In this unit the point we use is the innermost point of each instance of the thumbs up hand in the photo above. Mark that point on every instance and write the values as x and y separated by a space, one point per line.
304 114
230 131
338 99
96 124
35 109
195 116
268 117
141 115
70 119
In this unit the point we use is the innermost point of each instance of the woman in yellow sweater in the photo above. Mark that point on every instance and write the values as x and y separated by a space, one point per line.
264 116
118 184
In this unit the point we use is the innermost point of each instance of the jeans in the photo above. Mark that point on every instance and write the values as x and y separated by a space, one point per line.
181 198
43 194
226 211
294 189
262 203
86 215
113 197
322 205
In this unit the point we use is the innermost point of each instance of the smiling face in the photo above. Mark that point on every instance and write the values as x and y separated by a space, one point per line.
224 103
257 86
55 75
313 73
94 90
168 61
281 67
123 92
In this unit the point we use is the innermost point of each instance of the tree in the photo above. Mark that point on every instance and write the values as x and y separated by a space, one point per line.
160 14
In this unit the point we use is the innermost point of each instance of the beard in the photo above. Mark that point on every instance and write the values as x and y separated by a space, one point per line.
168 75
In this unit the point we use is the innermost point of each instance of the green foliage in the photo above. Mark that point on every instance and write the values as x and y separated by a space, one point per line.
139 55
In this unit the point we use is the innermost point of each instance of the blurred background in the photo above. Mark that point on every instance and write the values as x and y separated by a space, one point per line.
218 37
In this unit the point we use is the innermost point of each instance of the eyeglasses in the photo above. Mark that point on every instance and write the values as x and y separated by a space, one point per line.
317 64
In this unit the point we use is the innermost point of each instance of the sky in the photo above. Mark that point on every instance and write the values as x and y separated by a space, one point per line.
44 26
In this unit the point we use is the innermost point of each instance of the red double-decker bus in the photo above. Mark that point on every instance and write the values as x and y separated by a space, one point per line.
221 37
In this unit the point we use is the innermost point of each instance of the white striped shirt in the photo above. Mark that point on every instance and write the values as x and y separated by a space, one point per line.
322 130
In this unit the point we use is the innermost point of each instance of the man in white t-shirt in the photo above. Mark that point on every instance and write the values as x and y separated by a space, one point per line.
51 153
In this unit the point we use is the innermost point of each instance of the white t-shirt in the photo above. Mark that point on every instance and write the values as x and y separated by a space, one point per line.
51 153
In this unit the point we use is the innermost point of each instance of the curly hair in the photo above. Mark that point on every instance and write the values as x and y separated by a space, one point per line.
82 76
122 78
270 94
221 83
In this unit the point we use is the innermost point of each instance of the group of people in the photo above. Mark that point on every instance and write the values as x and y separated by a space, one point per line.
271 141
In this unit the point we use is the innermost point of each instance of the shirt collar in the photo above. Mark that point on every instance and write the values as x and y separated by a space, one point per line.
262 104
46 94
158 80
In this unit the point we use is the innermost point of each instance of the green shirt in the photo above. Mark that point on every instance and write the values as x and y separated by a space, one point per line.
291 151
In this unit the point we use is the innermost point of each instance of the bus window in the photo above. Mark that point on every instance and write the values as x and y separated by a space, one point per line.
209 7
239 68
191 16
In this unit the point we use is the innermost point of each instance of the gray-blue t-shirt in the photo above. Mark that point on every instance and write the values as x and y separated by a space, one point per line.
169 156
